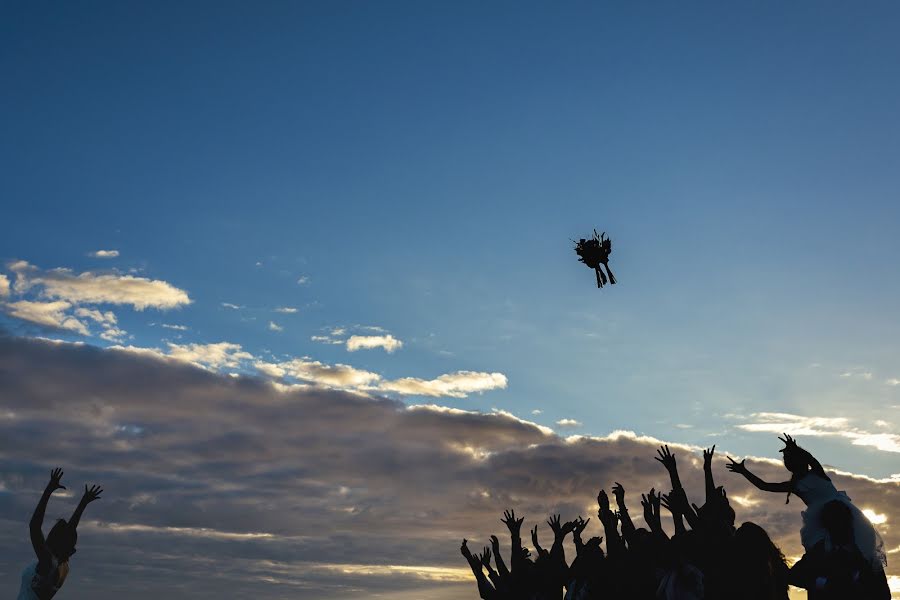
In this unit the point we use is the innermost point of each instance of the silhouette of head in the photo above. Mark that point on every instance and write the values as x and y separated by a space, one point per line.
838 521
61 540
795 461
751 540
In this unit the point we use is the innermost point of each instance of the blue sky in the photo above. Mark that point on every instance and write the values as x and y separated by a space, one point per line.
421 168
425 168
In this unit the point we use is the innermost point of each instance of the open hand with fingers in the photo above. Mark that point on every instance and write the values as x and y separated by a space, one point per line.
91 494
512 523
666 458
737 467
708 456
55 482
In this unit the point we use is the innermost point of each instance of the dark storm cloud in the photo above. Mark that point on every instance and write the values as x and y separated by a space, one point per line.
221 486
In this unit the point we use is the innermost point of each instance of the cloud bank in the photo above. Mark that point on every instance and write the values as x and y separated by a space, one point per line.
279 491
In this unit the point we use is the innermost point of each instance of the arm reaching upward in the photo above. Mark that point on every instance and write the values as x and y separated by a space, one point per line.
668 461
707 473
614 544
37 519
741 468
502 571
89 496
672 506
627 526
515 533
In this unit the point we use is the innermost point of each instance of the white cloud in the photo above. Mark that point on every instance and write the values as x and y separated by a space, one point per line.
338 376
324 339
537 411
288 310
92 288
302 280
454 385
104 253
175 327
798 425
107 321
275 326
4 285
893 381
568 423
231 306
48 314
360 342
874 517
216 356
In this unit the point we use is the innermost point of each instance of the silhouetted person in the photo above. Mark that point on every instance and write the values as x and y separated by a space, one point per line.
757 570
41 580
835 568
810 482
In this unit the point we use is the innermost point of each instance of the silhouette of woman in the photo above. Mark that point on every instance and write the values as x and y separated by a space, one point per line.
42 579
815 488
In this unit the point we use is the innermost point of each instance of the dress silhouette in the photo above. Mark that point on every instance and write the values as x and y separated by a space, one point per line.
816 492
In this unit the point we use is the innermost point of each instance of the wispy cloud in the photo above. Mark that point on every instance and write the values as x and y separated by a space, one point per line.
231 306
360 342
104 253
568 423
302 280
823 427
175 327
93 288
47 314
275 326
287 310
453 385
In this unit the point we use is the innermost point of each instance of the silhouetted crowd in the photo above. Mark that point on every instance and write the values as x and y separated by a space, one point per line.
707 557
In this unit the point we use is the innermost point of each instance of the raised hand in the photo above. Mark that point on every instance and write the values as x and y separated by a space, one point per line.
55 478
666 458
737 467
486 557
708 456
91 494
553 522
789 442
464 550
495 543
512 523
670 503
603 501
579 525
534 538
619 493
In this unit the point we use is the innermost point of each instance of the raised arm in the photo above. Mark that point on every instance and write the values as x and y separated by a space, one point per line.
614 544
537 545
580 525
671 504
627 526
37 519
502 571
668 461
741 468
708 474
515 533
89 496
651 504
485 590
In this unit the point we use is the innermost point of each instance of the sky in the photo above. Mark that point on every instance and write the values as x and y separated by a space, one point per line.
265 269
